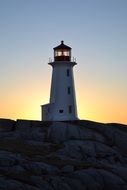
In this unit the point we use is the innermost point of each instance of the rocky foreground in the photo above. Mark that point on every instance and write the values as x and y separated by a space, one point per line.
80 155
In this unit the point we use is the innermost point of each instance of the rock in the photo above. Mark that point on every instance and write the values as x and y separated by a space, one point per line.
120 171
58 183
30 130
88 151
7 160
112 181
7 184
8 135
87 180
74 183
41 183
59 132
35 143
120 140
99 179
39 168
81 155
67 169
17 169
7 125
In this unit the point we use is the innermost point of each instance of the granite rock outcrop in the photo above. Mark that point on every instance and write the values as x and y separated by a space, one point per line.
81 155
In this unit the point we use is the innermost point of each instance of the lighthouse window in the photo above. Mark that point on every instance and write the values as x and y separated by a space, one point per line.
68 72
58 53
60 111
70 109
65 53
69 90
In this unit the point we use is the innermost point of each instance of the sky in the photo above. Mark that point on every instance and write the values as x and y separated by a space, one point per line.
97 32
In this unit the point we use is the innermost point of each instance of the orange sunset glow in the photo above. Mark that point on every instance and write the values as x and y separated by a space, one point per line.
97 34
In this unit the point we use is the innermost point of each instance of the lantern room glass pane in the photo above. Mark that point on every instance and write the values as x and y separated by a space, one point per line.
59 53
62 53
66 53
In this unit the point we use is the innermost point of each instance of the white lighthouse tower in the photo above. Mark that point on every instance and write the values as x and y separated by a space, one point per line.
62 106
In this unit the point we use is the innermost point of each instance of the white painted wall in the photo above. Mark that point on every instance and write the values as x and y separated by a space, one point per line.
60 99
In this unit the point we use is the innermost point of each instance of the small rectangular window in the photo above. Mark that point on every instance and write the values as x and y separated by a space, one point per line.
60 111
69 90
70 109
68 72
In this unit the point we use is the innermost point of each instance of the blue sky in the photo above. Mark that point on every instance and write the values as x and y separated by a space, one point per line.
95 29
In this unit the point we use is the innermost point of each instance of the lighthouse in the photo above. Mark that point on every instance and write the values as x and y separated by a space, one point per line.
62 104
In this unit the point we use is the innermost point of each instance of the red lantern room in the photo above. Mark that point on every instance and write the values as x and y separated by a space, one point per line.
62 52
